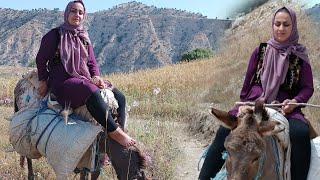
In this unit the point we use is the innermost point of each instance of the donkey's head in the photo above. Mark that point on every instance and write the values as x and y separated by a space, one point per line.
245 144
26 90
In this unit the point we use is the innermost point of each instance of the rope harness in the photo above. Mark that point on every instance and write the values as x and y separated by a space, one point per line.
262 161
53 123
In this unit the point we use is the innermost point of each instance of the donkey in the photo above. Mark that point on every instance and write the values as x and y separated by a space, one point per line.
249 145
128 163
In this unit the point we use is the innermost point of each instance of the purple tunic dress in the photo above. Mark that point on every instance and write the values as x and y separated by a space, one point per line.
251 92
70 91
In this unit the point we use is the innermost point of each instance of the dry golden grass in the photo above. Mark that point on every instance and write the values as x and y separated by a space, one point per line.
182 87
9 76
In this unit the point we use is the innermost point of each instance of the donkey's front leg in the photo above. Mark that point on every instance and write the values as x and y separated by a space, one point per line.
95 175
84 175
30 170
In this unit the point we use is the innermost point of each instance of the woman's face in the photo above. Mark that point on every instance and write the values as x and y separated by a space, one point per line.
76 14
282 27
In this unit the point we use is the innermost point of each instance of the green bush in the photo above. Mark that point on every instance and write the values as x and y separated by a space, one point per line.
197 54
32 63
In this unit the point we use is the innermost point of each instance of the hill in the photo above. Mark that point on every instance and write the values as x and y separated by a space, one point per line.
314 12
126 38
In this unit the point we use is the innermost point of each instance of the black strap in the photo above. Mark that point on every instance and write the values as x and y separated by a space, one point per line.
57 115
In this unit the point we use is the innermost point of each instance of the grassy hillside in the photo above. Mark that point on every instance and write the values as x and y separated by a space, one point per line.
177 92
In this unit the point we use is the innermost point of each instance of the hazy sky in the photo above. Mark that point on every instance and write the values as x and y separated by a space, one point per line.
210 8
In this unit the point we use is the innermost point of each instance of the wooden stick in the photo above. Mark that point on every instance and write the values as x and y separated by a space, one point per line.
279 104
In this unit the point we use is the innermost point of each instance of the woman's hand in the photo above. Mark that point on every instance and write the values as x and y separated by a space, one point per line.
98 81
286 108
43 88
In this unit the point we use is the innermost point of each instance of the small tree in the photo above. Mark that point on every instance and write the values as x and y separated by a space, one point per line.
197 54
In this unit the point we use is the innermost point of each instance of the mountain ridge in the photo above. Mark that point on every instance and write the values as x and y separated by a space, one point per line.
126 38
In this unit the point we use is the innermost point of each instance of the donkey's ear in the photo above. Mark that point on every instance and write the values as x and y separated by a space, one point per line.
269 128
260 111
225 118
258 106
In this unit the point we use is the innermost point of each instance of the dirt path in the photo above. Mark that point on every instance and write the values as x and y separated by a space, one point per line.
192 150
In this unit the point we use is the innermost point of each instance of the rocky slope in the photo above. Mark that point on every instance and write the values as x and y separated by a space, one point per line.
126 38
314 12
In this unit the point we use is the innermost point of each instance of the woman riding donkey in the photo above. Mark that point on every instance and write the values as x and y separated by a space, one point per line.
67 67
278 70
